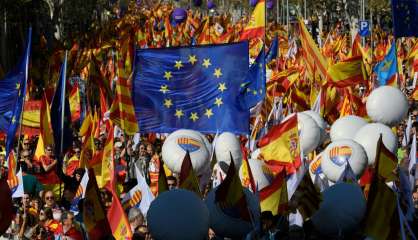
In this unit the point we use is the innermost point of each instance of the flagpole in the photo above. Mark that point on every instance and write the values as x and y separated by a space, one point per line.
64 77
24 97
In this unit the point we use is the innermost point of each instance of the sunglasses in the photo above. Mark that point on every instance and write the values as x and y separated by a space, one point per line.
49 198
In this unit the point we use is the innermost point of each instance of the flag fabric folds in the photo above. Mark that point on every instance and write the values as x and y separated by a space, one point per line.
80 194
387 69
274 196
280 147
14 179
257 23
230 195
61 115
386 162
188 179
405 18
347 73
75 103
46 136
254 88
12 96
94 214
118 220
193 88
162 179
273 50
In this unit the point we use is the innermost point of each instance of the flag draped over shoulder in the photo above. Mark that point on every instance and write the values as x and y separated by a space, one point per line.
12 96
61 115
280 147
387 69
230 195
405 18
94 214
257 23
191 87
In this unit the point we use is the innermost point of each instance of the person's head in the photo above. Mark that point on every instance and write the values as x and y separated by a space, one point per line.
49 199
150 149
45 214
135 217
49 150
26 144
77 152
2 160
57 214
267 220
26 200
67 219
26 155
78 174
171 182
142 149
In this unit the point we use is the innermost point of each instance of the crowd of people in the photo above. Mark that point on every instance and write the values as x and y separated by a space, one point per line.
50 185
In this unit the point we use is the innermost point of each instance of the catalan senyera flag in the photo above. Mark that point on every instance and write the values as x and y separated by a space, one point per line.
14 179
257 23
274 196
74 100
188 179
413 56
122 110
386 162
45 137
230 195
314 59
347 73
280 147
345 109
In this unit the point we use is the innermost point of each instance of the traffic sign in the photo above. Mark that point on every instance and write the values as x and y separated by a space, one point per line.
364 28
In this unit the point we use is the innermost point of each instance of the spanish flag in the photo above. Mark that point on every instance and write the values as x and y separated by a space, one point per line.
102 168
45 137
386 162
88 148
74 100
274 197
94 214
257 23
118 221
188 179
347 73
280 147
230 195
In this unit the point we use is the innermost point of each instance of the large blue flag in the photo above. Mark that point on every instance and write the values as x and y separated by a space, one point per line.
273 50
191 87
254 88
61 115
405 18
12 96
386 70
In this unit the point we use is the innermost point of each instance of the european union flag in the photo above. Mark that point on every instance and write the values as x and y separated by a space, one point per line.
61 115
386 70
273 50
405 18
12 96
191 87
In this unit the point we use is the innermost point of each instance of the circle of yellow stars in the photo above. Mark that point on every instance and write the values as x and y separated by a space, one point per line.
193 116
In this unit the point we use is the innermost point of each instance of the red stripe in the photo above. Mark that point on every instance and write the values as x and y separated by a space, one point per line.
125 99
275 186
252 33
278 130
348 81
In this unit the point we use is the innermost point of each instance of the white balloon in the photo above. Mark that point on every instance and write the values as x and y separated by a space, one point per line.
177 143
341 211
368 136
320 122
387 105
178 215
227 226
227 143
309 133
261 173
336 155
346 127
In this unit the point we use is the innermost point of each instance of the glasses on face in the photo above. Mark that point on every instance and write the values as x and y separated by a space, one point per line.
49 198
48 149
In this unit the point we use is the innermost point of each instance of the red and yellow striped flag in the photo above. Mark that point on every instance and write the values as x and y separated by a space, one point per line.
274 197
45 137
280 147
122 110
102 168
347 73
386 162
74 100
345 109
257 23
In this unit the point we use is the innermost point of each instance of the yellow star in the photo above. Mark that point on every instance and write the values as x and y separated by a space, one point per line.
164 89
192 59
178 65
217 73
208 112
254 92
222 87
248 90
179 113
206 62
13 119
168 103
167 75
218 102
17 85
193 116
